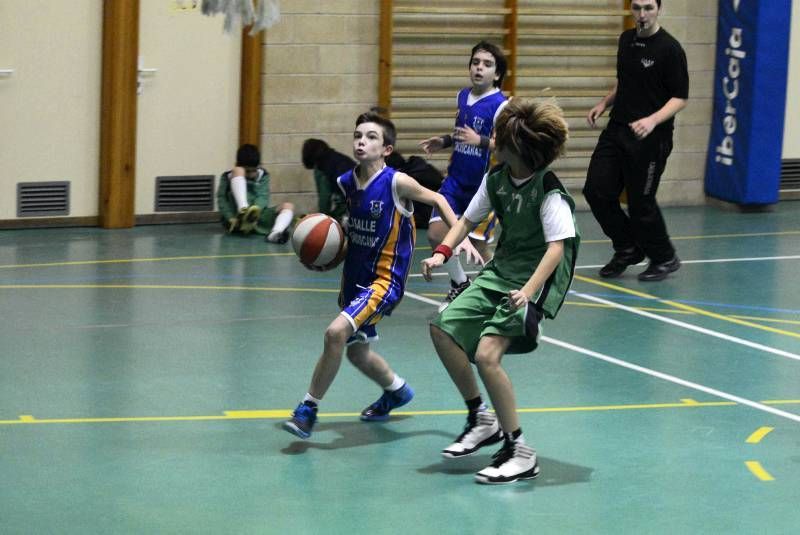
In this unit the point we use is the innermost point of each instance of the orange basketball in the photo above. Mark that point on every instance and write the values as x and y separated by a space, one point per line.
318 241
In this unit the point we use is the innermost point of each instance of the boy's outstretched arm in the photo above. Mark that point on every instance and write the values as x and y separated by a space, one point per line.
519 298
409 188
457 235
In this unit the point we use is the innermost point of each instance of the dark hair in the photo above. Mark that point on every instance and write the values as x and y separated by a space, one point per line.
248 156
501 64
535 131
396 161
389 131
313 151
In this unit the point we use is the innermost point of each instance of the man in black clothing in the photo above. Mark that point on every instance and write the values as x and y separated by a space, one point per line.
652 86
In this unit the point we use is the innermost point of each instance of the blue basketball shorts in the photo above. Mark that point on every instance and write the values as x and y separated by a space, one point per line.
459 198
365 306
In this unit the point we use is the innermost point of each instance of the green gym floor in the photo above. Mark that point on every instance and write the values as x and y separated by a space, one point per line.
145 374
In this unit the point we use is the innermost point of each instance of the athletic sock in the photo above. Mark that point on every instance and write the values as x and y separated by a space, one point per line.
397 384
310 400
455 270
282 222
516 436
474 404
239 190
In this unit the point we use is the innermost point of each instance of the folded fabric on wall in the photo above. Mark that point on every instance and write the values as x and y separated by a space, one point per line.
259 14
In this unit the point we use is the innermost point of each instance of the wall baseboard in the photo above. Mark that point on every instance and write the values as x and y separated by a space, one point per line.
178 217
49 222
94 221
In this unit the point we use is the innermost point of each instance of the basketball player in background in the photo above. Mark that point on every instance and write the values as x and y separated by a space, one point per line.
478 107
243 199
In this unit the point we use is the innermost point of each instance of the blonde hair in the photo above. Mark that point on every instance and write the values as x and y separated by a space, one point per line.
536 131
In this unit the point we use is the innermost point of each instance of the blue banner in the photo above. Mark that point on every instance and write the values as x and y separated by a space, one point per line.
744 151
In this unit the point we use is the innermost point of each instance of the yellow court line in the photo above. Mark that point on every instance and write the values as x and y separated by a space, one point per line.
255 255
316 290
730 319
758 471
768 320
758 434
681 306
159 287
285 413
137 260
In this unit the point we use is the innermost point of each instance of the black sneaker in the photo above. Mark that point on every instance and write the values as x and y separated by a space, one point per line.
455 290
512 462
658 272
481 430
620 262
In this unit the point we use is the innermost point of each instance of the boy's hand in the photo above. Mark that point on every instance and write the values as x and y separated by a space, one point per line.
432 144
471 254
467 135
517 299
429 264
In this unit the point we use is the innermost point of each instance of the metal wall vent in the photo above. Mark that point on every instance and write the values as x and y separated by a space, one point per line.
790 175
36 199
185 193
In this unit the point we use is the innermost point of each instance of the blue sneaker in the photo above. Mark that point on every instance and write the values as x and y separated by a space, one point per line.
302 421
379 411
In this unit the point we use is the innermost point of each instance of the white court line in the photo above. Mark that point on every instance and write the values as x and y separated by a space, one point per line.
712 261
647 371
709 261
689 326
673 379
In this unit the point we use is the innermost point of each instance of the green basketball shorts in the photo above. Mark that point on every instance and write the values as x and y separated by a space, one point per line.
479 312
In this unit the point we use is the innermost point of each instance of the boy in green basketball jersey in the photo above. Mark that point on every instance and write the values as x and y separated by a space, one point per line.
526 281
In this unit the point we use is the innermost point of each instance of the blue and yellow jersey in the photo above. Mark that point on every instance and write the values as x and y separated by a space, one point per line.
469 163
381 236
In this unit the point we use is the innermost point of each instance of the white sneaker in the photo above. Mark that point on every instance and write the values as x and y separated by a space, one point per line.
513 461
481 430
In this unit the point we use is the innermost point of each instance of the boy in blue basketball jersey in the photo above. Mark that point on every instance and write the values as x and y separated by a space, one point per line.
478 107
381 236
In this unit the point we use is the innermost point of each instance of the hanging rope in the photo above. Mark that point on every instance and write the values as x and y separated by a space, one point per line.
259 14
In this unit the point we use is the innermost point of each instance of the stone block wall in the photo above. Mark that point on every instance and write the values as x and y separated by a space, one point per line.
321 70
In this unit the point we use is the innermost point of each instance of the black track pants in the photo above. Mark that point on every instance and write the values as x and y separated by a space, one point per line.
622 161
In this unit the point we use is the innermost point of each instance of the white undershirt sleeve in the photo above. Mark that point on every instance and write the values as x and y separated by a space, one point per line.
480 205
556 215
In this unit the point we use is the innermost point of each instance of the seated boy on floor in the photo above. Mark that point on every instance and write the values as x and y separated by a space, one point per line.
243 199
